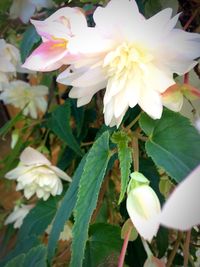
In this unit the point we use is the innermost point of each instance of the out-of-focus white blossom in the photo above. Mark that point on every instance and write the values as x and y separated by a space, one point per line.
9 59
18 215
22 95
36 175
24 9
66 234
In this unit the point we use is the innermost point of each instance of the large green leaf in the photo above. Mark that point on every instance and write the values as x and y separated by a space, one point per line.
104 242
30 38
59 123
173 143
17 261
90 184
21 247
35 257
38 218
125 159
65 210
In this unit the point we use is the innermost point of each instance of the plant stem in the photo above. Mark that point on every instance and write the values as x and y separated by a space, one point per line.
124 248
186 248
173 253
133 123
190 20
135 153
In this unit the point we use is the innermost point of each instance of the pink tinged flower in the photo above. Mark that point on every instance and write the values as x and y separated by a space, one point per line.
132 57
36 175
57 31
173 97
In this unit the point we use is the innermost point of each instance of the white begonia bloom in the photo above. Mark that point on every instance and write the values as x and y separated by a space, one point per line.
36 175
132 57
18 215
28 98
181 211
9 59
24 9
143 206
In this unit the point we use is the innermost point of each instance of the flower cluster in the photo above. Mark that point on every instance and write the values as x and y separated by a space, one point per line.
36 175
134 58
28 98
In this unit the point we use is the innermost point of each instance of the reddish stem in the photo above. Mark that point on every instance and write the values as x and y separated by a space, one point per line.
190 20
124 248
186 78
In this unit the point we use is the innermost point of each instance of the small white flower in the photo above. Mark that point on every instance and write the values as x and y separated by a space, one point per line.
36 175
143 206
24 96
9 59
24 9
66 234
18 215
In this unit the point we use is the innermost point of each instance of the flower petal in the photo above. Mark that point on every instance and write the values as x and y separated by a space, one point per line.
182 209
31 156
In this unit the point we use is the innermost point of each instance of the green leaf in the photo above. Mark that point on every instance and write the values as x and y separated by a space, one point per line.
5 129
125 159
17 261
152 7
59 123
30 38
65 210
36 257
90 184
173 145
104 241
22 247
38 219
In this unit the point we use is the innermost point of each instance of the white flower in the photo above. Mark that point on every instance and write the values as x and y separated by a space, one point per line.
24 9
143 206
9 59
26 97
66 234
18 215
36 175
132 57
181 211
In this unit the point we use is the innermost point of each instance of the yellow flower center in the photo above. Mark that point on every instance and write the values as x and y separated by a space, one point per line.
126 59
62 43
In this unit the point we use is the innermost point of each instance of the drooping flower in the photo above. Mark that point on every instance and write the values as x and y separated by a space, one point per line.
36 175
143 206
132 57
24 9
28 98
181 211
9 58
18 215
57 31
